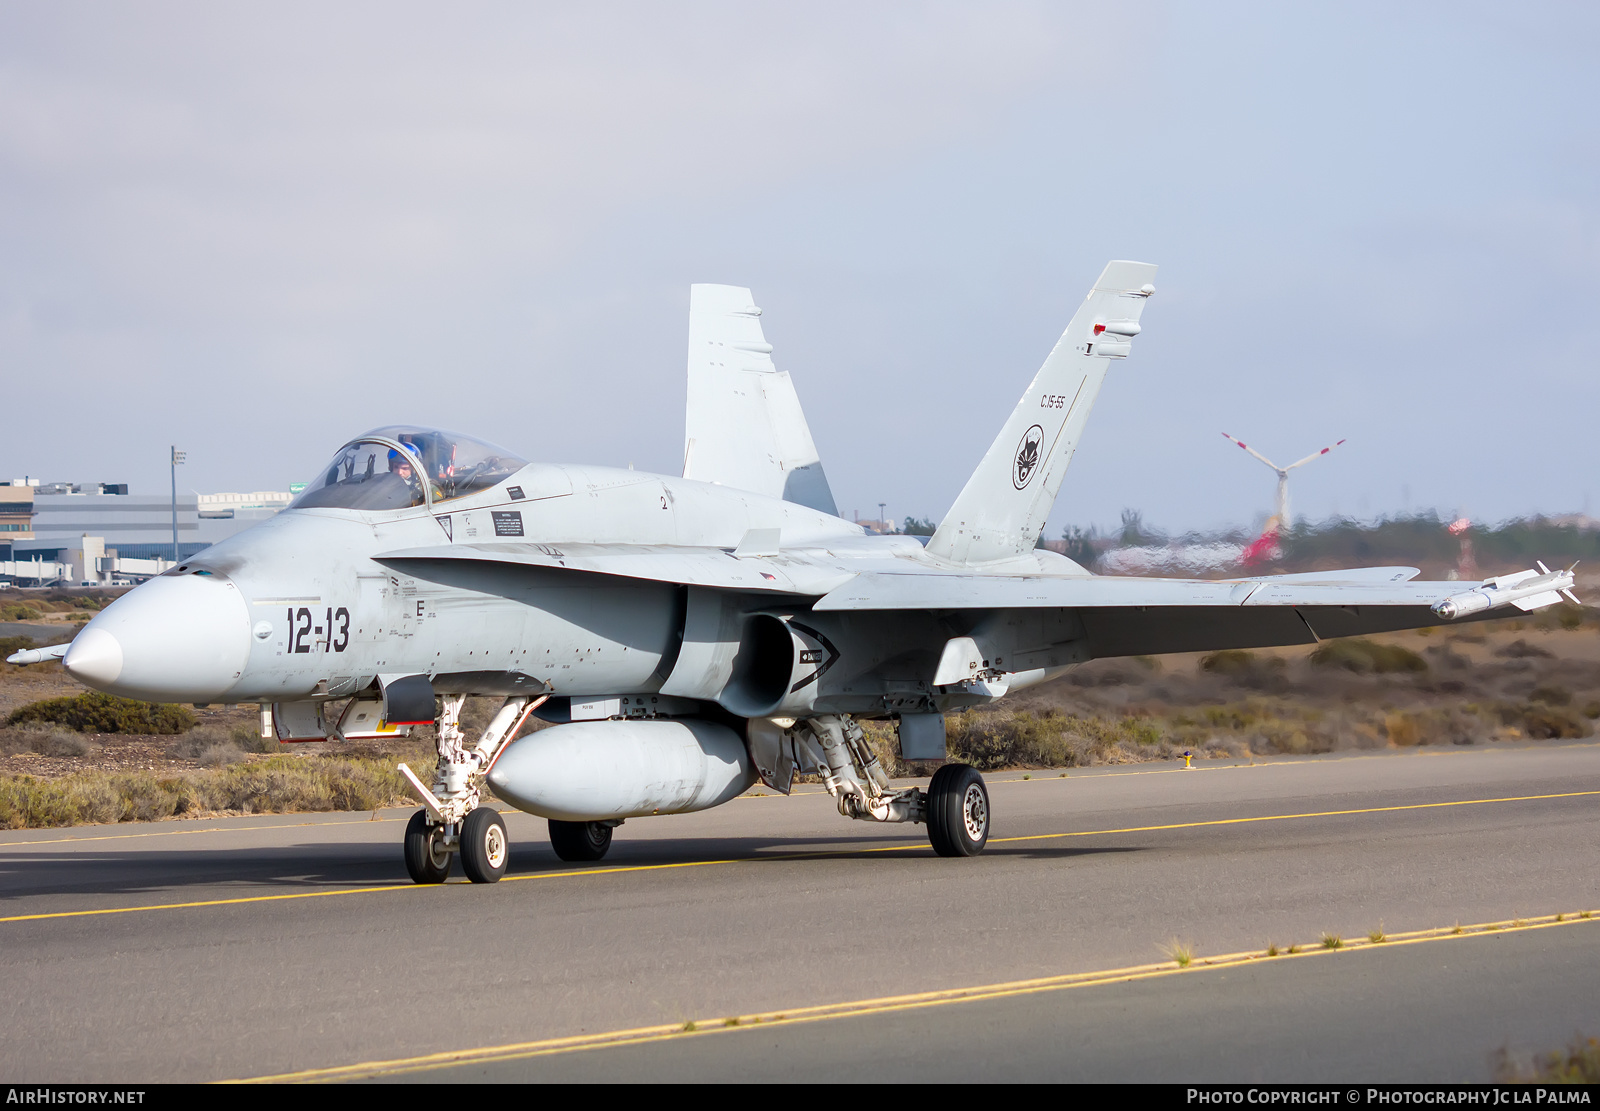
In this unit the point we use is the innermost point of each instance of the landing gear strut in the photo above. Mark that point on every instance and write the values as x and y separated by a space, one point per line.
955 806
451 820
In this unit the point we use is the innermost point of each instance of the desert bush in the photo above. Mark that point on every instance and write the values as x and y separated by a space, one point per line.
1230 661
1578 1063
285 784
1443 656
998 739
1365 657
58 742
93 712
1591 709
1247 669
1551 695
211 745
18 611
1522 650
43 739
1550 723
220 755
9 645
1402 729
1431 727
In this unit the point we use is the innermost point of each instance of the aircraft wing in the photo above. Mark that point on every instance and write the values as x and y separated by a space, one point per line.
1141 616
935 591
688 566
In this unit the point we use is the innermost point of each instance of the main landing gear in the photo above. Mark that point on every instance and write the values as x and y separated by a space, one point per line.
581 841
452 822
955 806
958 811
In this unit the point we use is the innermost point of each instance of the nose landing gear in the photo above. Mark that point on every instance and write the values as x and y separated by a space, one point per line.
427 855
451 820
483 845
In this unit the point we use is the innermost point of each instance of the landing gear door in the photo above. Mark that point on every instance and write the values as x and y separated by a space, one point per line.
779 751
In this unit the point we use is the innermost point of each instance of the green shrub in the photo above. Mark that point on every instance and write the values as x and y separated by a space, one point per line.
1551 695
1366 657
18 611
93 712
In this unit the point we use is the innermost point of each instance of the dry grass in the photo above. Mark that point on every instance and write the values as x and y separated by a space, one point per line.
1179 953
279 784
1578 1063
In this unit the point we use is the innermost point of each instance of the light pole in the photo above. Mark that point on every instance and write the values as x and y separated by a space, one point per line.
883 508
177 458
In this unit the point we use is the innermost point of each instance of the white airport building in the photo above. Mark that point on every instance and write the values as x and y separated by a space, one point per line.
99 534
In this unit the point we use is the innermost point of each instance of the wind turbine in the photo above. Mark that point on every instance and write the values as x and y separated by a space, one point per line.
1283 474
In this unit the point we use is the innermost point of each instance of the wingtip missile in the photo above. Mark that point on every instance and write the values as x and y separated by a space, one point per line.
1527 590
38 655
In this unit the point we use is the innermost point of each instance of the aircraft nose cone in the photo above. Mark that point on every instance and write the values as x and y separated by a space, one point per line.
181 638
95 656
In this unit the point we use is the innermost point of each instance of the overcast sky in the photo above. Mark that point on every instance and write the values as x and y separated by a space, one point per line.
256 231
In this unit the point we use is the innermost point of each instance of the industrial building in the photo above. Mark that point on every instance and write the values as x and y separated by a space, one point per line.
99 533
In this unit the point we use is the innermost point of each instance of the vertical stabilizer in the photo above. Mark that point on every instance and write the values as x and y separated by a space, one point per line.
1003 507
744 427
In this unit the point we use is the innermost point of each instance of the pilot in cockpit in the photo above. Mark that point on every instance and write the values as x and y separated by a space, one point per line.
400 466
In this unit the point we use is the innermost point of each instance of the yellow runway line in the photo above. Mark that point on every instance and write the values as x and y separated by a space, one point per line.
780 857
4 845
883 1005
1308 814
1051 775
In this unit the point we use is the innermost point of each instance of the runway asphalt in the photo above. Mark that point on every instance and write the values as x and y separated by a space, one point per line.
292 945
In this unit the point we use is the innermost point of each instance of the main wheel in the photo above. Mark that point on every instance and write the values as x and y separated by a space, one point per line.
580 840
958 811
427 859
484 847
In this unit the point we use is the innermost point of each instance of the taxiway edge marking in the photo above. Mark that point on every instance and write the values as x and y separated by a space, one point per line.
888 1004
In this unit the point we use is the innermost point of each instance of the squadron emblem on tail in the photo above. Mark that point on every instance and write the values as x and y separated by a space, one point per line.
1027 457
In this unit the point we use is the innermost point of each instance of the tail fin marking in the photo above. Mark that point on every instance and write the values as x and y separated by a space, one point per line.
1002 509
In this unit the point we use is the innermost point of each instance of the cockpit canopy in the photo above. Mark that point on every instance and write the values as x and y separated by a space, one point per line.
387 469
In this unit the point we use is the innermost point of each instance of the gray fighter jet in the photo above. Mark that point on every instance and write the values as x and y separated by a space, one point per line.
692 635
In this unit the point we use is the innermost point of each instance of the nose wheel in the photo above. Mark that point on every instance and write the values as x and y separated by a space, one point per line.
484 847
958 811
427 856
